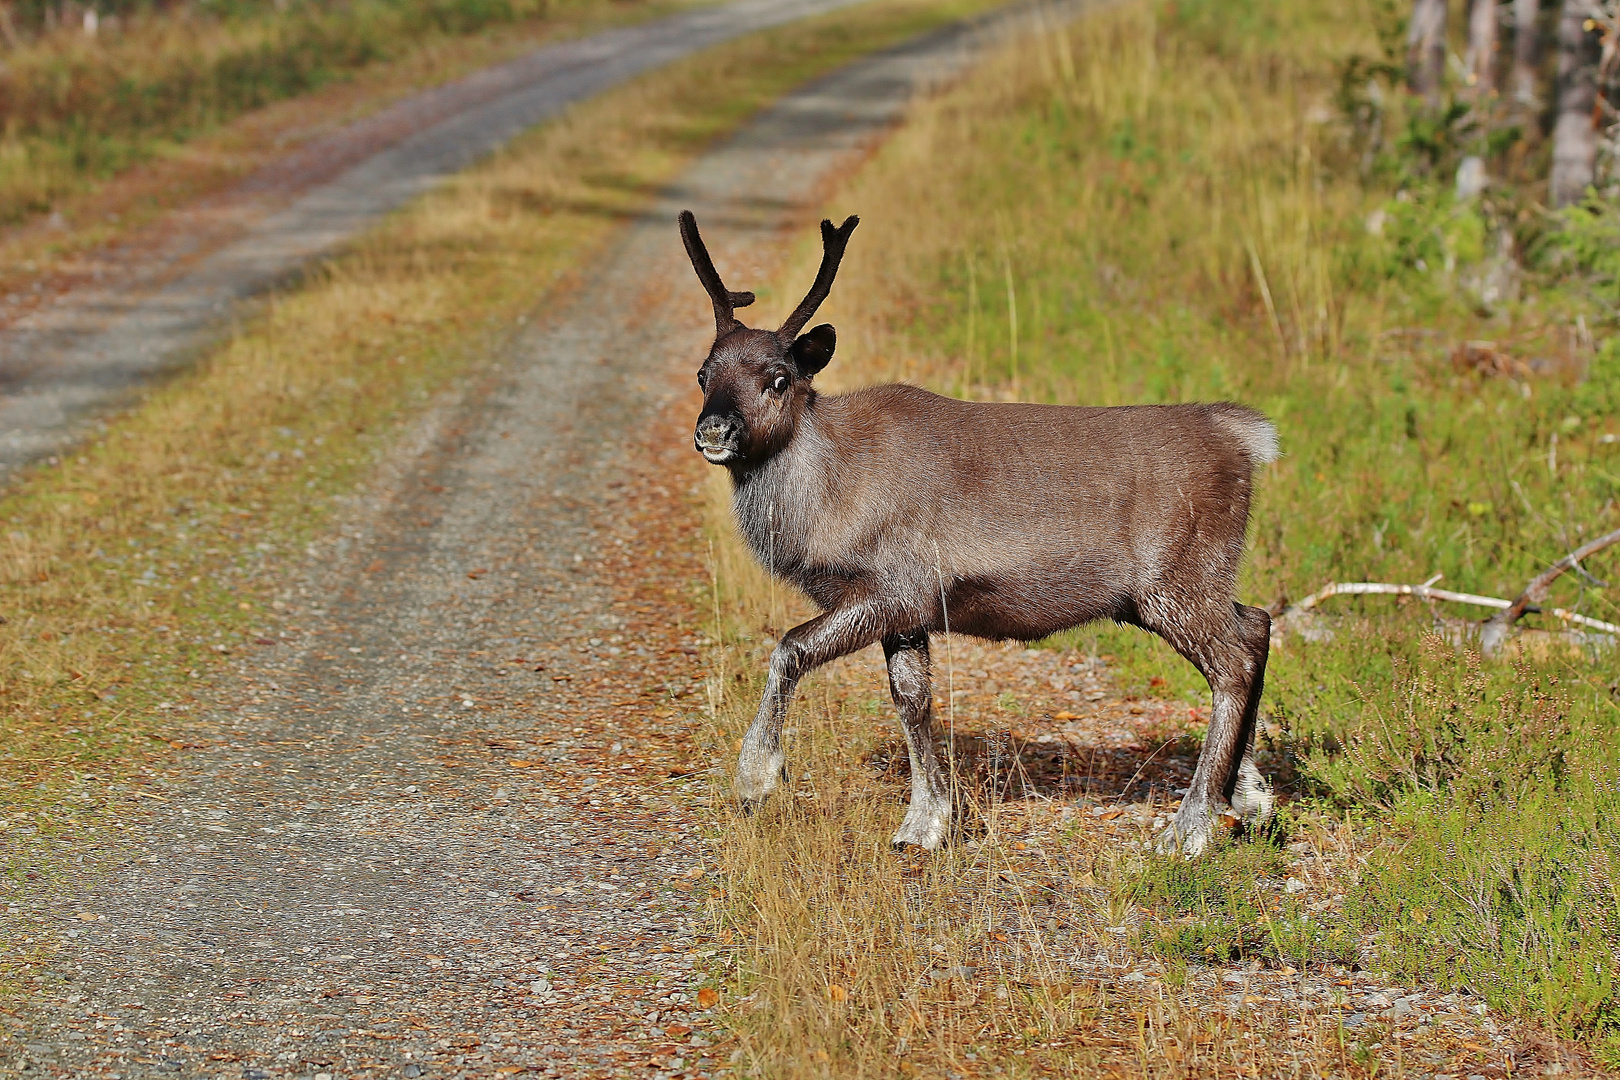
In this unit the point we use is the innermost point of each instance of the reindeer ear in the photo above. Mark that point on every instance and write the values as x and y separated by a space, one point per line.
814 348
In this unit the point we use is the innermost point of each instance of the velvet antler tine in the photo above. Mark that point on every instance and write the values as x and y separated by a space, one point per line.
833 242
724 300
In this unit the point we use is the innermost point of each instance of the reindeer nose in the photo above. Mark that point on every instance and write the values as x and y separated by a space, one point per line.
717 435
718 430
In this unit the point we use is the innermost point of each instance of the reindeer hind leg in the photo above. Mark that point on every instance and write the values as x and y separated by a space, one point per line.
1213 638
1249 792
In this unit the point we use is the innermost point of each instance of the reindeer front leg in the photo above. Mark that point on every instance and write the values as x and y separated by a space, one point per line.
928 820
802 649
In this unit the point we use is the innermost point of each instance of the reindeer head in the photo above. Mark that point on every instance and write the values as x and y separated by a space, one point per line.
756 382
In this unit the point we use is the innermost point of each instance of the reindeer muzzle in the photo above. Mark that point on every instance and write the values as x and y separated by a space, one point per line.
718 438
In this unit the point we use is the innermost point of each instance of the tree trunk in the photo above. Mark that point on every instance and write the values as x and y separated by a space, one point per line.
8 29
1482 49
1575 133
1526 51
1426 49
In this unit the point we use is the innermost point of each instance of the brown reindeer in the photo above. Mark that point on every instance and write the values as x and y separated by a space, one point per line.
902 514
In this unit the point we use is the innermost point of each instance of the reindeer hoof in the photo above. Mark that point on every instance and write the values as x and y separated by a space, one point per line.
1252 799
1189 834
926 827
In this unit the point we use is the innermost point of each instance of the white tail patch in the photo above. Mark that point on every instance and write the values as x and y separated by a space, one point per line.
1256 434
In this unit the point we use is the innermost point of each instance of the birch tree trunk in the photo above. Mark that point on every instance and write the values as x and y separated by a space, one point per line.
8 29
1426 49
1482 49
1526 51
1575 133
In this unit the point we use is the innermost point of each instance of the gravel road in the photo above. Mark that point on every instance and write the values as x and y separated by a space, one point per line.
437 824
63 364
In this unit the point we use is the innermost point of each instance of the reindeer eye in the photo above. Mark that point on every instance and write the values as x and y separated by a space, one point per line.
703 379
780 384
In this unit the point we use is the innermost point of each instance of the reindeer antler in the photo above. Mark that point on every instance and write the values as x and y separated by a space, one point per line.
723 299
833 242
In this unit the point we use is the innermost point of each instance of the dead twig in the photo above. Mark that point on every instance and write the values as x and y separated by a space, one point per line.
1498 626
1426 591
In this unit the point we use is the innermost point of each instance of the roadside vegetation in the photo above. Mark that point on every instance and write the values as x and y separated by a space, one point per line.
87 91
1195 201
129 568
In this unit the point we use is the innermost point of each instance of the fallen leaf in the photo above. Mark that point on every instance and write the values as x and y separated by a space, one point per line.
1000 937
1110 815
837 993
85 916
676 1031
694 873
476 574
520 763
708 997
1419 915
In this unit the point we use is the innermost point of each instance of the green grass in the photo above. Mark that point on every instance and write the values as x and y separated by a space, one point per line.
1163 203
1214 910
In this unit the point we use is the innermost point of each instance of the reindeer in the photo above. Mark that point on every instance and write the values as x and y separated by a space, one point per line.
902 514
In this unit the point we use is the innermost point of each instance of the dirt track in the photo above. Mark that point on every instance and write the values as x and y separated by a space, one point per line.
439 827
154 301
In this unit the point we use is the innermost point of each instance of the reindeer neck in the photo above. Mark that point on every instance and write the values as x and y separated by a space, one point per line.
778 501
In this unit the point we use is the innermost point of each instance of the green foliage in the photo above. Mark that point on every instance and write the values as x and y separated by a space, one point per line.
1586 241
1516 899
1598 394
1453 728
1224 907
1426 229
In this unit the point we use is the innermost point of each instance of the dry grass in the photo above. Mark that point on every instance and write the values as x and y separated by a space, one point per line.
127 569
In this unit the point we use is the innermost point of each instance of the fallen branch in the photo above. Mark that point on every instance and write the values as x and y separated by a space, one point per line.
1498 626
1379 588
1426 591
